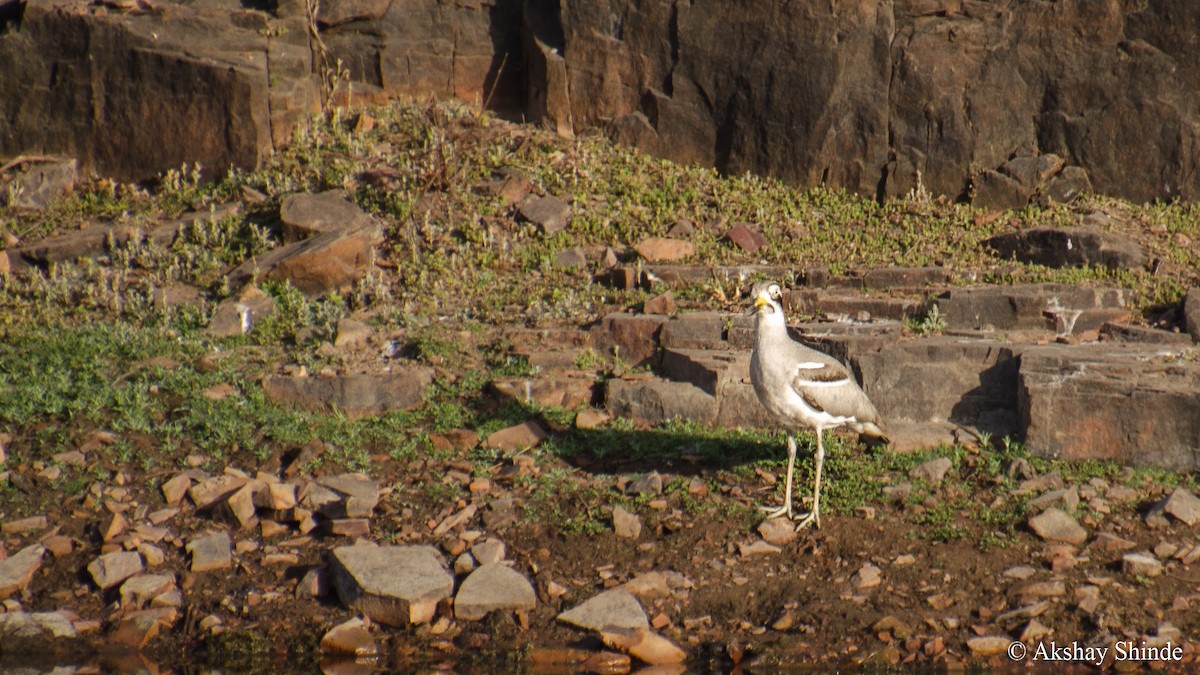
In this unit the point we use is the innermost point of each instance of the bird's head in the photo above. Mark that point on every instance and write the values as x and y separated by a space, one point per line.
768 298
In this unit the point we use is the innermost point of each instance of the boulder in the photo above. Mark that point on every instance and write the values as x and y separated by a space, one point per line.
1122 403
326 263
633 338
1069 247
1191 312
38 183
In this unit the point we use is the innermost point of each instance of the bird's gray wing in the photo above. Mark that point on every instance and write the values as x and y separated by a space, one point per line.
815 379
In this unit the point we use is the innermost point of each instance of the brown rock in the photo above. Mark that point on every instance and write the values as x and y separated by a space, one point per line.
116 527
24 525
591 419
644 645
136 629
111 569
238 315
1191 312
1055 525
353 395
1065 247
241 504
493 587
550 214
350 637
1116 409
175 489
746 237
17 570
395 585
626 524
207 494
139 590
518 437
210 552
304 215
326 263
360 494
989 645
350 527
658 249
276 496
777 531
1141 563
660 304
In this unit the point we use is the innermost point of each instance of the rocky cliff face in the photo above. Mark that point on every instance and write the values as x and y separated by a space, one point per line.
1005 102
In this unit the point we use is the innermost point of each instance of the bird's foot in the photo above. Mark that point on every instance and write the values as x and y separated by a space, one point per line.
785 510
811 518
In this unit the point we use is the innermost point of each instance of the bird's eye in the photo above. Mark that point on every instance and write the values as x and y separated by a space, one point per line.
775 292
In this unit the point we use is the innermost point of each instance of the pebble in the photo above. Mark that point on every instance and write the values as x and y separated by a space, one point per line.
989 645
1020 572
868 576
777 531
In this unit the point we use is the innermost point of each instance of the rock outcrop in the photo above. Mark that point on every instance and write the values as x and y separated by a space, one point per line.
1006 103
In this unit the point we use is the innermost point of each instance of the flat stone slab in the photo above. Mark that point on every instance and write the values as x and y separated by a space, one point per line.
17 570
111 569
304 214
493 587
1135 405
1053 524
210 552
355 395
395 585
1069 247
616 608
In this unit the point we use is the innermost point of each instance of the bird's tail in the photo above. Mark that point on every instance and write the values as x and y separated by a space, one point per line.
873 433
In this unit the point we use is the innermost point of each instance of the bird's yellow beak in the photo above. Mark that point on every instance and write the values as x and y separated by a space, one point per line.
760 302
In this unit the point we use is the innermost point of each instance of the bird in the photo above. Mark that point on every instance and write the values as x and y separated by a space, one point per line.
802 387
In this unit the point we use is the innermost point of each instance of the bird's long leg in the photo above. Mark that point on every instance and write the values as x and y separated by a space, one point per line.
786 509
814 516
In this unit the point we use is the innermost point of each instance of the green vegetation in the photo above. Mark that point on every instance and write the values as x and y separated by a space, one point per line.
88 346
